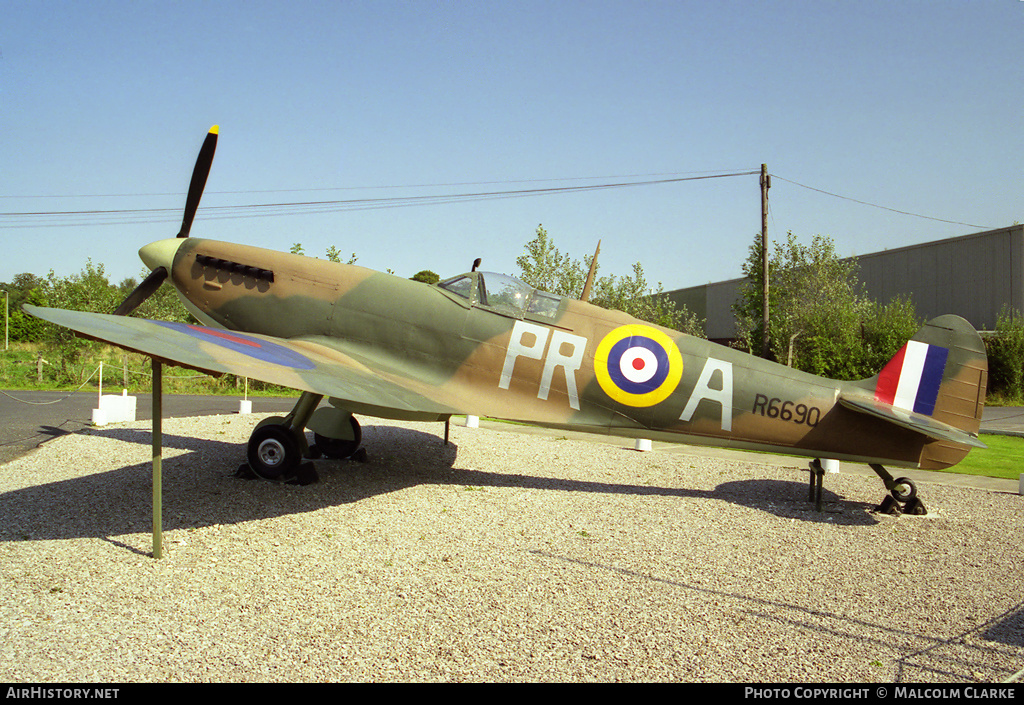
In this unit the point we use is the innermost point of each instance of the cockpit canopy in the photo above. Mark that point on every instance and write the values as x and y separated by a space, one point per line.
503 293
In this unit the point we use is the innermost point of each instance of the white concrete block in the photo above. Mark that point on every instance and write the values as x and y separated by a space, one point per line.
245 407
830 465
114 408
643 444
472 422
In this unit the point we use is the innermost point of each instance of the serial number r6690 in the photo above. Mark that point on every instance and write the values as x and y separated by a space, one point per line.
775 408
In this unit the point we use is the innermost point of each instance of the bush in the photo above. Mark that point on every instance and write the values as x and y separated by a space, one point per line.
820 320
1005 349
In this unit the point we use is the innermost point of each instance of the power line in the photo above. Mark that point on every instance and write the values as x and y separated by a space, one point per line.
875 205
258 210
709 173
93 217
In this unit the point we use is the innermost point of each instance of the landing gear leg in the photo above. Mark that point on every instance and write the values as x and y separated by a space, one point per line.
817 481
902 497
278 444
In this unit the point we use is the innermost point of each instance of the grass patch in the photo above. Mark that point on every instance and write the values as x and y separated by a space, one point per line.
998 398
30 366
1003 458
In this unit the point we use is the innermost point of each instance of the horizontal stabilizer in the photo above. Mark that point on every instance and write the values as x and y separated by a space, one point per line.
915 422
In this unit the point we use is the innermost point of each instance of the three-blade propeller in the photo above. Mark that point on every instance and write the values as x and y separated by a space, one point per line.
142 292
195 192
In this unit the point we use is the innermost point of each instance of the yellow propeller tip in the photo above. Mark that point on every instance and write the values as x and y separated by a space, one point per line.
215 130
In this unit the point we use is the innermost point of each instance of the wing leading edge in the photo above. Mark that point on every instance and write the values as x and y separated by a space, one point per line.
306 365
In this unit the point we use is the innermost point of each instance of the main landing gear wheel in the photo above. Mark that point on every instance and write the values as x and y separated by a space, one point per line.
339 448
273 452
278 445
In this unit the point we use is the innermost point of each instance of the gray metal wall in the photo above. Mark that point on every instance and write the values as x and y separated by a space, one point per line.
973 276
712 302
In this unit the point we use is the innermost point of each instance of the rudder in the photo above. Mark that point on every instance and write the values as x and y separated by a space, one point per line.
942 373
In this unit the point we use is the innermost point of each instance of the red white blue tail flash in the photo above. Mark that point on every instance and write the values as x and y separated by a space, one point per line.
911 379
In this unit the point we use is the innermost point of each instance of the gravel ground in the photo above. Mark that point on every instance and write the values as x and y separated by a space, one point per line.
501 557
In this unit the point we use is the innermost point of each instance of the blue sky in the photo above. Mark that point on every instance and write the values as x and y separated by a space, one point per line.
914 106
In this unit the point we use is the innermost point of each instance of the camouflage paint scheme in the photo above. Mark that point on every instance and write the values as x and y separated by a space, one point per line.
488 345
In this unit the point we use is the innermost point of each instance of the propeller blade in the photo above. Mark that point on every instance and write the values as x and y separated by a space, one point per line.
198 183
142 292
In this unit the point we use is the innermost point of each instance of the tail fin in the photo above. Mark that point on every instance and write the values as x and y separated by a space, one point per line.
934 385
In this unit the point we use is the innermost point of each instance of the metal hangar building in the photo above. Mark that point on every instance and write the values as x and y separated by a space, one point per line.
973 276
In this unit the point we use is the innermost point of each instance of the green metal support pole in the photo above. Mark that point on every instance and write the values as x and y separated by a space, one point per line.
157 460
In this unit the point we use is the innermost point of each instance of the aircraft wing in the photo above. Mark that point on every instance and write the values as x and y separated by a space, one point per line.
915 422
304 364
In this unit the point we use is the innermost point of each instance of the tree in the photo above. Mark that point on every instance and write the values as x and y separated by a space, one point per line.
163 305
88 290
748 308
543 266
426 276
632 295
25 288
333 254
820 320
884 330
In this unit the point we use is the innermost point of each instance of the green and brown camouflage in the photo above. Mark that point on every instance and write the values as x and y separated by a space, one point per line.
487 344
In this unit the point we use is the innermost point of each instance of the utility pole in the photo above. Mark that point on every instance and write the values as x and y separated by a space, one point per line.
766 183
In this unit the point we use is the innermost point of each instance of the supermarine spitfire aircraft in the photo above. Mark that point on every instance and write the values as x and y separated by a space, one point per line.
489 345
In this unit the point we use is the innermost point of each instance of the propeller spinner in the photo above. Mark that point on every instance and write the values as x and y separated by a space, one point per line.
195 192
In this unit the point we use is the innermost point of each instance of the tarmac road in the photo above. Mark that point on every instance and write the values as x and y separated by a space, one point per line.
29 418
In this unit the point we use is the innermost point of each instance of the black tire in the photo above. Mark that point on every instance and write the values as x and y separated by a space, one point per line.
337 448
903 490
273 452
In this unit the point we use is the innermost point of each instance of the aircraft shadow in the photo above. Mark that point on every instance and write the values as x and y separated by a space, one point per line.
200 488
783 499
789 499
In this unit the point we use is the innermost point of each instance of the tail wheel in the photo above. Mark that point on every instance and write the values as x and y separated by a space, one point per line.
903 490
273 452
